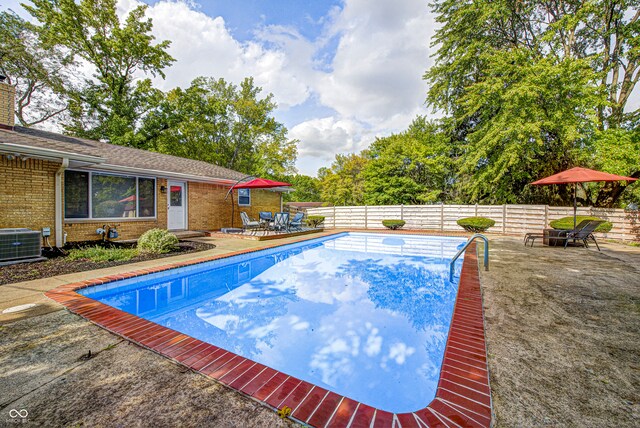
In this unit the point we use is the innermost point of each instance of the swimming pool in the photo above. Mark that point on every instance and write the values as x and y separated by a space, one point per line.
363 315
359 327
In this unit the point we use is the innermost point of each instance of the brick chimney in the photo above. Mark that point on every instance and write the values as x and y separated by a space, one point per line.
7 104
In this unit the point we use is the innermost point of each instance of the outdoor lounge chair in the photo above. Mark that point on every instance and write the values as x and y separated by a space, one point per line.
247 223
280 222
583 234
532 236
296 221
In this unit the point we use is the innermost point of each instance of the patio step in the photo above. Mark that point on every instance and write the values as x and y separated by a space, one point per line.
185 234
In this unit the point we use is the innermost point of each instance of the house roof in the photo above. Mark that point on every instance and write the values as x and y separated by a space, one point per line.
114 157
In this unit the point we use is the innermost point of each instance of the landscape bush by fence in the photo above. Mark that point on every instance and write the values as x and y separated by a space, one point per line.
510 219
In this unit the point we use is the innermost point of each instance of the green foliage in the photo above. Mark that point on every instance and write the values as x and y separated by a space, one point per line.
157 241
306 189
409 168
533 88
566 223
343 183
476 224
315 220
102 254
218 122
39 73
109 105
393 224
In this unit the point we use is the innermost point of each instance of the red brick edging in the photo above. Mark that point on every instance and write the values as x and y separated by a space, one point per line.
462 399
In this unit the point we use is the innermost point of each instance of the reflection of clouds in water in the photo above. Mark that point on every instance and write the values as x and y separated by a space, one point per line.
400 351
370 326
333 360
374 342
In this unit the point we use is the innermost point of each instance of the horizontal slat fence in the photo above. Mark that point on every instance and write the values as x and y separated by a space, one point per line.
510 219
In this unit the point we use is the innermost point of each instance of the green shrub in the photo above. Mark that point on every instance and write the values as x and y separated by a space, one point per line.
393 224
102 254
566 223
315 220
157 241
476 224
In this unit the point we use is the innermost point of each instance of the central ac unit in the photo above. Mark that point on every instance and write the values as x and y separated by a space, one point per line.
19 244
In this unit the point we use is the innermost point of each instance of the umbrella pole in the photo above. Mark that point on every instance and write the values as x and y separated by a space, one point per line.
575 205
232 209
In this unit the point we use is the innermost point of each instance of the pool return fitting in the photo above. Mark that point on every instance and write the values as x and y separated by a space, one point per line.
486 253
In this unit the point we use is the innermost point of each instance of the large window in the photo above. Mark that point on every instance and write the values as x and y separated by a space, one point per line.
101 196
244 197
76 194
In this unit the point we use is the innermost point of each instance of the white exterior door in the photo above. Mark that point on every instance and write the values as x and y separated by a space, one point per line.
176 206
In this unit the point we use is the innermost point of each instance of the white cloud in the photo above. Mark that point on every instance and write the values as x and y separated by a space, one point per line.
366 67
372 81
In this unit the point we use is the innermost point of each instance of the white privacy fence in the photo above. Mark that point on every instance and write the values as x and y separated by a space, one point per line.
510 219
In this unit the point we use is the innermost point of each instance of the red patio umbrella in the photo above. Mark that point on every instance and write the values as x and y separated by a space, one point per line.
580 175
261 183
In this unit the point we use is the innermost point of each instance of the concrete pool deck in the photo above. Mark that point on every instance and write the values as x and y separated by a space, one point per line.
562 331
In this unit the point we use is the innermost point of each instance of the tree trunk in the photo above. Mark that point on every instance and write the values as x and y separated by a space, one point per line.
611 192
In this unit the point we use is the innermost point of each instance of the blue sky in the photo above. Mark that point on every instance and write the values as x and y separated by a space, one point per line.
343 72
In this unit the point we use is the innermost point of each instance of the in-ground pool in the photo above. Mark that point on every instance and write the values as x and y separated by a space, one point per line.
364 315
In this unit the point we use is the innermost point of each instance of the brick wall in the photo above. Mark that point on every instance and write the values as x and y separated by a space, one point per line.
209 211
27 194
27 199
7 103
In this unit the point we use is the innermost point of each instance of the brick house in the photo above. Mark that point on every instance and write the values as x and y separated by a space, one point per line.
74 186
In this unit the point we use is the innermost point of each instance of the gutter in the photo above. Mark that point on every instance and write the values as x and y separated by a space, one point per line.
47 154
59 203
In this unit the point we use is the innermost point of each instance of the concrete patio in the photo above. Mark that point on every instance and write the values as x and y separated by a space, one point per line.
563 334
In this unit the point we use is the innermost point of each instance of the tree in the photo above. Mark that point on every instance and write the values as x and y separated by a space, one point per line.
218 122
409 168
39 74
109 106
306 189
529 87
343 184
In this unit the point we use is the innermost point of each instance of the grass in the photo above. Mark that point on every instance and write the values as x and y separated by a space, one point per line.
101 254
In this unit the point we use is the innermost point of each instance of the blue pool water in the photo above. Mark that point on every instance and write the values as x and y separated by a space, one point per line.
364 315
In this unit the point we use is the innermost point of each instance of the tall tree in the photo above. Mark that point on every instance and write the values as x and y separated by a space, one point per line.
530 87
222 123
305 188
40 75
111 103
342 183
412 167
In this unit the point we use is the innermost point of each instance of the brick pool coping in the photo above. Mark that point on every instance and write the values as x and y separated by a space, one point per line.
463 396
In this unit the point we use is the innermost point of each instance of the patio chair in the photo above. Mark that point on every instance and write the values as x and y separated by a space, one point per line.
280 222
248 224
265 217
532 236
296 221
583 234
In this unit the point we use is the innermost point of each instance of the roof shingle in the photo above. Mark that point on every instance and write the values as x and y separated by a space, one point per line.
117 155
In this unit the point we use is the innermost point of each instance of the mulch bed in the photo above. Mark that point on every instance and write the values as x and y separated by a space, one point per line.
60 265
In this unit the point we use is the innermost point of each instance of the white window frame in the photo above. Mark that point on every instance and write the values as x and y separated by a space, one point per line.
248 196
137 218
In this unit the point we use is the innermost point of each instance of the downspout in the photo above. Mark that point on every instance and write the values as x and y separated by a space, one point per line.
58 202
